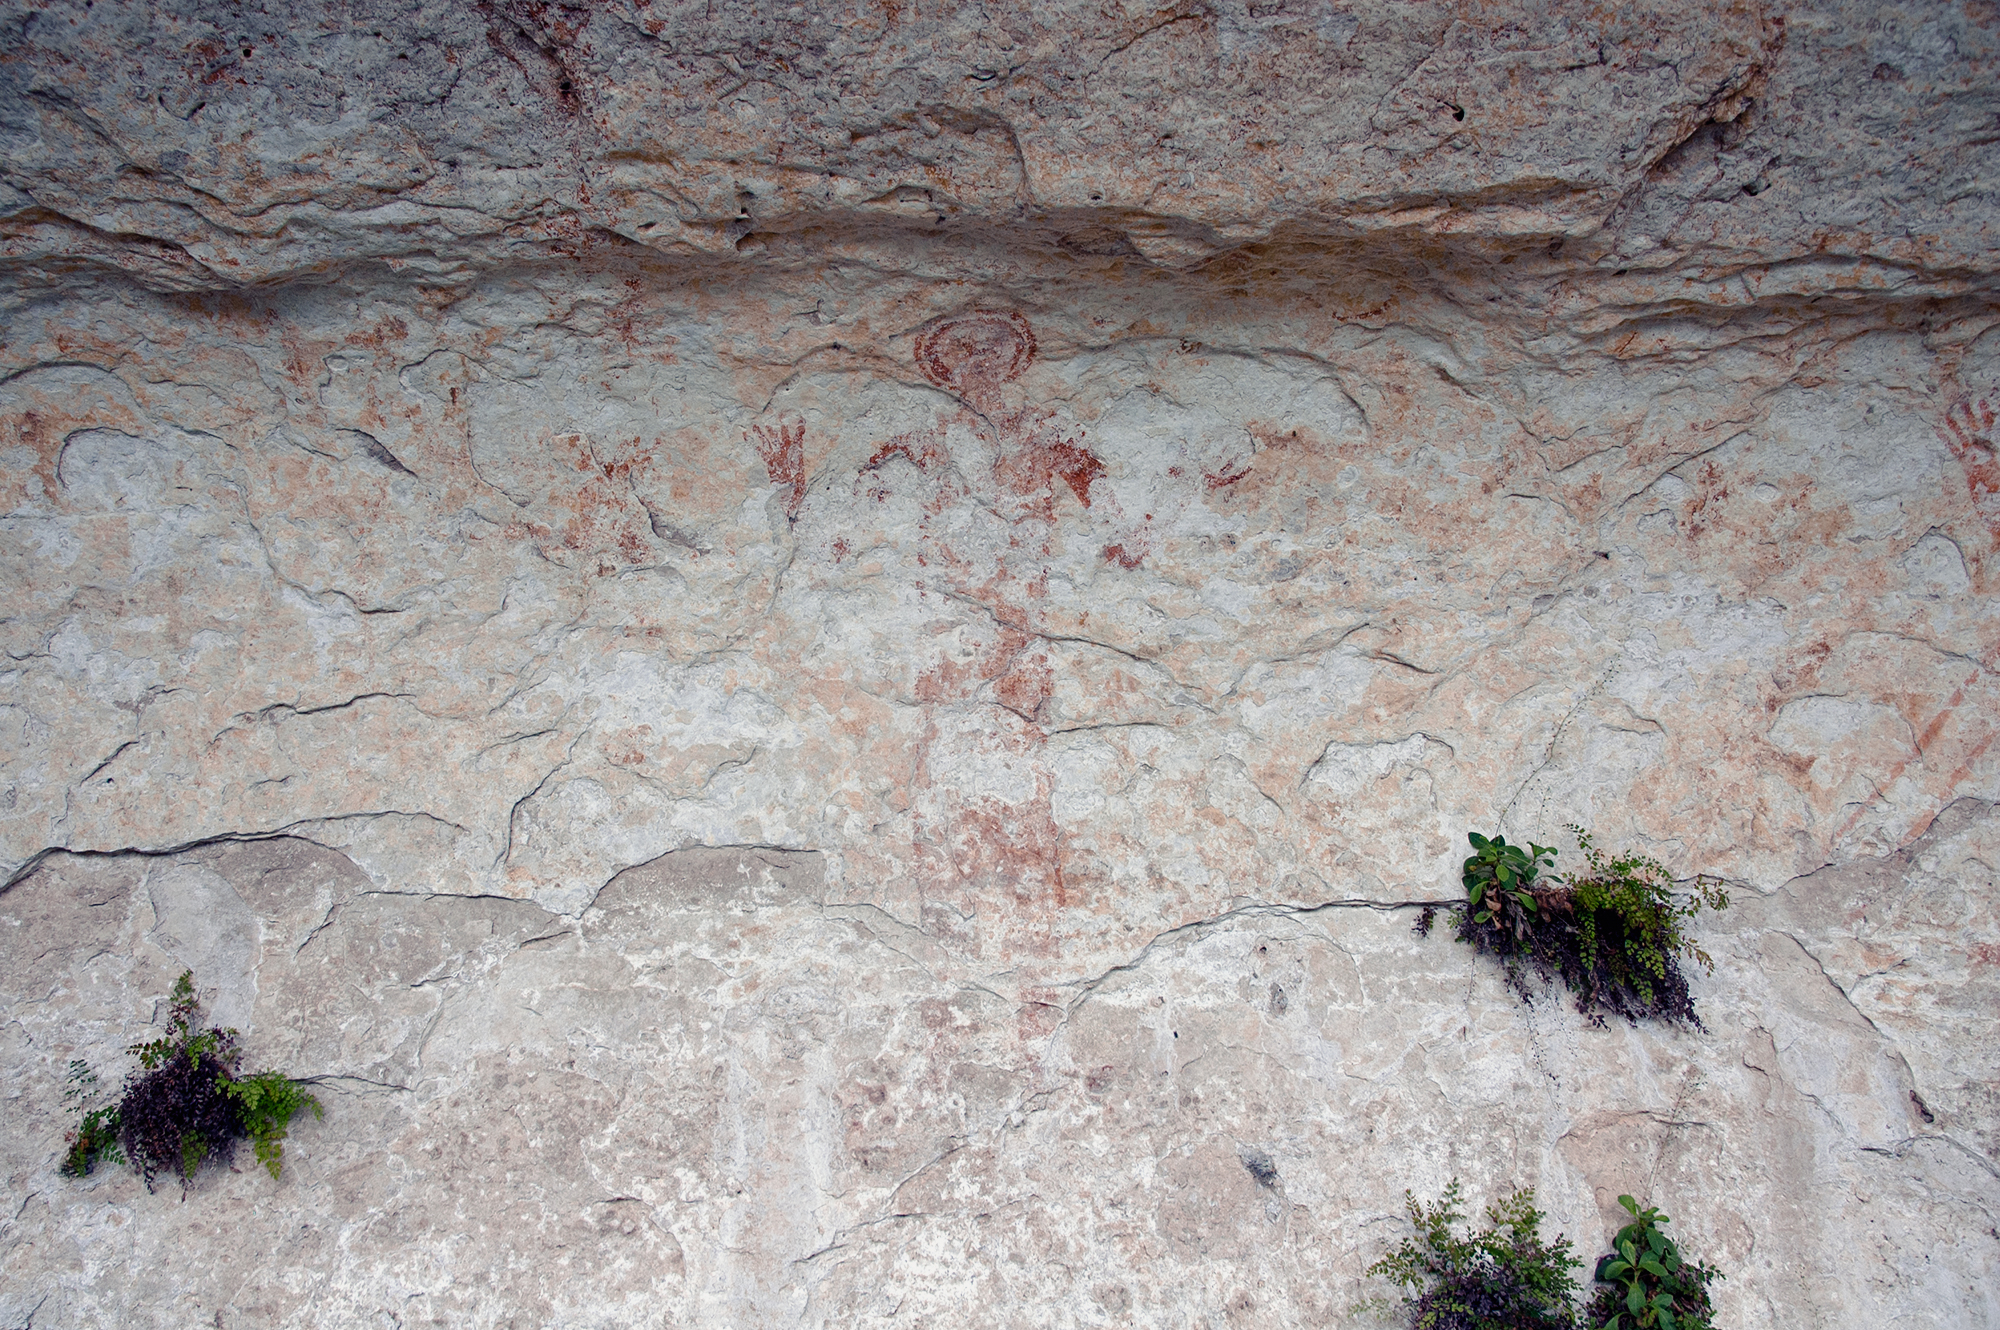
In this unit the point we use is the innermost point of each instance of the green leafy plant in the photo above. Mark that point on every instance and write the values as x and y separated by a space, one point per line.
1630 924
266 1103
1614 933
95 1136
1503 1277
1500 881
1649 1283
186 1104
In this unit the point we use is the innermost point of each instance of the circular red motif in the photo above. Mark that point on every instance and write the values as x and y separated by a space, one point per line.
975 351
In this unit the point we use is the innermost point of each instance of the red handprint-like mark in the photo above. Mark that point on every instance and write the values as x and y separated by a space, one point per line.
1968 431
783 448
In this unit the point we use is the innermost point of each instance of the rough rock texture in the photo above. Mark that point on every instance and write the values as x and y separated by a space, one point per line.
815 658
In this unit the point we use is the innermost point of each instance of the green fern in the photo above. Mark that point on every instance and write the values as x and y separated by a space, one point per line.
266 1103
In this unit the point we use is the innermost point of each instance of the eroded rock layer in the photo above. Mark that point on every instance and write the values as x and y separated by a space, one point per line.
816 660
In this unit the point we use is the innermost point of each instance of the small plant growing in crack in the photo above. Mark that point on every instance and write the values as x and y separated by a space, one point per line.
94 1139
186 1105
1504 1277
1614 933
1645 1282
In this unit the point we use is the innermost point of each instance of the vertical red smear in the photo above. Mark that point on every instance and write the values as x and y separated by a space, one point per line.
1710 490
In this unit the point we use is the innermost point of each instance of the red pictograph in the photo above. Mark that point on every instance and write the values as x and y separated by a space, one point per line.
1968 431
971 354
783 448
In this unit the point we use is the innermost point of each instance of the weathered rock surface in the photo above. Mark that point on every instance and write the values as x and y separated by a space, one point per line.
719 1096
806 654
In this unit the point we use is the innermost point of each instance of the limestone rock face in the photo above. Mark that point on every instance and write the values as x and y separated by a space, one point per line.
815 659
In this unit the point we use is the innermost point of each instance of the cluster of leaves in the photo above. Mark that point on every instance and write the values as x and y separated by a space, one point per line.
1500 886
1647 1284
1501 1278
1615 933
266 1103
95 1139
1505 1277
186 1105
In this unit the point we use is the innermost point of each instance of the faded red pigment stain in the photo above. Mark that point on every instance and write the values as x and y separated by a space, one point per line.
213 62
971 846
302 360
593 515
45 430
965 846
1018 845
1710 492
923 451
783 448
1124 558
1799 671
1927 737
1024 688
378 338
